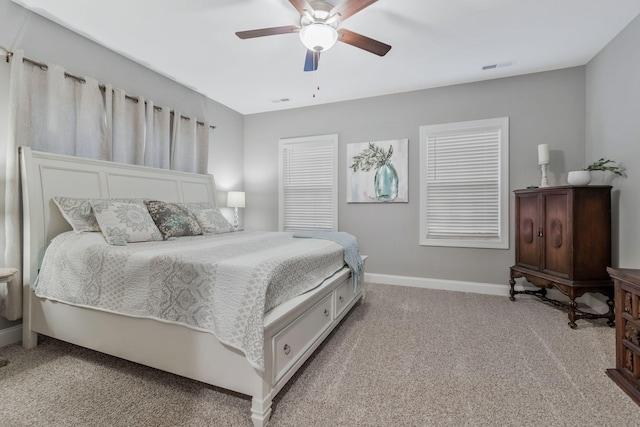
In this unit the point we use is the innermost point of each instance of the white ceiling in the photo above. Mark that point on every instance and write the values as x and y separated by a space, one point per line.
434 43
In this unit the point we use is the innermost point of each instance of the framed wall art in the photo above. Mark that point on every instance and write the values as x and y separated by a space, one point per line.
377 172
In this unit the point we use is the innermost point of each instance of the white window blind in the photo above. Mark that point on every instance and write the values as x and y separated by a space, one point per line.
464 173
308 183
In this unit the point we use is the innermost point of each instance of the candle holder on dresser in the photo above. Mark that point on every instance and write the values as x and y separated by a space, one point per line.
543 162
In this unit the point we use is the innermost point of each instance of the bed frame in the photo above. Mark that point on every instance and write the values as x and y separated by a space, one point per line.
293 330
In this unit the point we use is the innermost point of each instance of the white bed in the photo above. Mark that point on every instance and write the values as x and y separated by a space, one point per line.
292 330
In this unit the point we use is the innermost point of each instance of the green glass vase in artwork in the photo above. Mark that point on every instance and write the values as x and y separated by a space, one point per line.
386 182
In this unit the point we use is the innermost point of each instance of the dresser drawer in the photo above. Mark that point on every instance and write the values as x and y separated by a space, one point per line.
344 296
294 339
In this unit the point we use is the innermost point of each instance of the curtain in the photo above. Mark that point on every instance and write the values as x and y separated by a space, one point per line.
157 153
203 133
60 114
48 111
190 144
127 125
52 111
11 293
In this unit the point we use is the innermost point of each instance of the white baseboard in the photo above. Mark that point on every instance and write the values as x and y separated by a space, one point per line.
442 284
10 335
590 300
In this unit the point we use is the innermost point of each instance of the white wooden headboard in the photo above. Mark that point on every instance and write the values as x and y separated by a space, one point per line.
46 175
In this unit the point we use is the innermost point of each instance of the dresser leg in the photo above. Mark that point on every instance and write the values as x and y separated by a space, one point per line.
612 316
572 313
512 293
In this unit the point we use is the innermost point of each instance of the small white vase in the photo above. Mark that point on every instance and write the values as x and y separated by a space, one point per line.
579 177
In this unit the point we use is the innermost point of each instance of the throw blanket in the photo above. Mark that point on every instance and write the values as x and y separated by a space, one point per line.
222 284
351 252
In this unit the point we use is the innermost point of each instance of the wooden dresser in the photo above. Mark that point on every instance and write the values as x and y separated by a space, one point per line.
563 240
627 371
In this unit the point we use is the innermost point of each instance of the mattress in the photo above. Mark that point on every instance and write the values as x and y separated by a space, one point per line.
221 284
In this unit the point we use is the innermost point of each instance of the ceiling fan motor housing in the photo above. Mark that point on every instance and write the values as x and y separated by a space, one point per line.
319 27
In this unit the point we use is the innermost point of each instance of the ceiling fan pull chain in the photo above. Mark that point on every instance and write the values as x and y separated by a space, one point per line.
317 82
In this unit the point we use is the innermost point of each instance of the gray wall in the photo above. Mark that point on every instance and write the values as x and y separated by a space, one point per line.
613 130
45 41
543 108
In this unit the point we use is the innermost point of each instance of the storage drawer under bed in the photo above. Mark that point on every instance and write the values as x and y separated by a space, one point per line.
344 296
294 339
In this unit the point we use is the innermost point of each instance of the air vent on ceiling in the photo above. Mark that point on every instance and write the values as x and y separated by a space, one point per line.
502 64
277 101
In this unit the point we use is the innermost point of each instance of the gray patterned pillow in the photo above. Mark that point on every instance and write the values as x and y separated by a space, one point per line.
212 221
78 213
172 219
124 222
196 206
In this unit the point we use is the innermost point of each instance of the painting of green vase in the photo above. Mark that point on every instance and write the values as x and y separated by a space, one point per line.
377 172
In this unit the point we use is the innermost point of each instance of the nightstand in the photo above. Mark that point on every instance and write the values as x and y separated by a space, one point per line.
6 274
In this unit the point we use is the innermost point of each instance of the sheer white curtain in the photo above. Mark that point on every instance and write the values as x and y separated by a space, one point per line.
48 111
189 144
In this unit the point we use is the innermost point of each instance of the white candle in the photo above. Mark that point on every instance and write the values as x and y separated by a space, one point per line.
543 154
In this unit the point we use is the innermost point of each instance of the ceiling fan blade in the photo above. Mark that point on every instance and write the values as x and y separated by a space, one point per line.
350 7
363 42
311 61
301 6
267 32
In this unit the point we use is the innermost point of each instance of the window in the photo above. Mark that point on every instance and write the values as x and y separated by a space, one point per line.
464 182
308 194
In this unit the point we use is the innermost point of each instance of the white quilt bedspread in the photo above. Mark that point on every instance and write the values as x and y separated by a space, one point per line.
222 284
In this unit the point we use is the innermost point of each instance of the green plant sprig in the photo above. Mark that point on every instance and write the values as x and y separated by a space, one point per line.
606 165
371 157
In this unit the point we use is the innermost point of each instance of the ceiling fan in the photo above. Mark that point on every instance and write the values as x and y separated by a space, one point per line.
318 29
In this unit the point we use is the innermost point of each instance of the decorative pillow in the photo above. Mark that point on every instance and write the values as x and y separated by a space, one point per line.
172 219
212 221
124 222
78 213
196 206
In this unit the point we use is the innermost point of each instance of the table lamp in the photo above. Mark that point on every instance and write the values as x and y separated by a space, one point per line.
235 199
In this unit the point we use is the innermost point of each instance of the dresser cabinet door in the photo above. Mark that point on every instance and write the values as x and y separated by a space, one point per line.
557 243
529 226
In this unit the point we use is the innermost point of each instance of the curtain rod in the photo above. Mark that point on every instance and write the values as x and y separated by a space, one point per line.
45 67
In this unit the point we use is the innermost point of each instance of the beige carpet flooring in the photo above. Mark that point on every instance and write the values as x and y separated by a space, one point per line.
403 357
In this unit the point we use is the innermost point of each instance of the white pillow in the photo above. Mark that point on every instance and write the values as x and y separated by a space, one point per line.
122 222
212 221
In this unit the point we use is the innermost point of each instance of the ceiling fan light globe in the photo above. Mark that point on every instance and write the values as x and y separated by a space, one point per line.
318 37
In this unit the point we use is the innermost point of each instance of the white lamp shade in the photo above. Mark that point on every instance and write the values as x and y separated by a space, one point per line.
318 37
543 154
235 199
